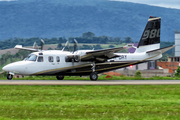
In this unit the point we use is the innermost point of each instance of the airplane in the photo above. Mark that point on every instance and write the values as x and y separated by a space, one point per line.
62 63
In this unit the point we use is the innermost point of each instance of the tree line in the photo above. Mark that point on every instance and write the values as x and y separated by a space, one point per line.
87 37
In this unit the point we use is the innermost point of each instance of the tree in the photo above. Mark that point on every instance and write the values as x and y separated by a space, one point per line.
111 46
88 35
164 57
138 73
85 47
102 39
118 40
59 46
128 40
96 47
177 74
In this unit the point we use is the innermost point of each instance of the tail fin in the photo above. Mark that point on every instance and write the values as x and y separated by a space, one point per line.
150 39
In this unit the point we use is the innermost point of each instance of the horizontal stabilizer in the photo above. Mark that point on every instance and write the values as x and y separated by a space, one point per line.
24 48
161 50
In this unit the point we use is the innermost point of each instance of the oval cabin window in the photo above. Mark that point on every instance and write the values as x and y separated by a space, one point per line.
50 59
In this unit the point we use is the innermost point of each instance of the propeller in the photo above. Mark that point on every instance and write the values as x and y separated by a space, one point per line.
35 46
42 44
66 45
75 45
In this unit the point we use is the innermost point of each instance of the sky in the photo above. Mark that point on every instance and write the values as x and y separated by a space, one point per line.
8 0
162 3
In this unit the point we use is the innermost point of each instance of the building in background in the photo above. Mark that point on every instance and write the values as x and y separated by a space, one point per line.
177 43
173 62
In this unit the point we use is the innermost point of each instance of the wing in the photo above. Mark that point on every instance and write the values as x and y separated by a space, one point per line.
24 48
101 55
31 49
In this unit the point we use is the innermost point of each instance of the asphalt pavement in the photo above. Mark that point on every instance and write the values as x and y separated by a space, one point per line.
86 82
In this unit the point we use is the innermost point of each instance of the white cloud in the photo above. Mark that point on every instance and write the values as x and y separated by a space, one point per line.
161 3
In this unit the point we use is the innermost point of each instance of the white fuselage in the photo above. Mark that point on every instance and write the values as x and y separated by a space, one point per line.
55 60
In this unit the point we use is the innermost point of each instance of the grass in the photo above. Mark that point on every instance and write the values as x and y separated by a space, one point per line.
90 102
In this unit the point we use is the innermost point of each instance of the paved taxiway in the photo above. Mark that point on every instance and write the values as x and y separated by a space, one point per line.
85 82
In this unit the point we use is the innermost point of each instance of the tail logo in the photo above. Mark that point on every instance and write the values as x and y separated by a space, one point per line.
151 34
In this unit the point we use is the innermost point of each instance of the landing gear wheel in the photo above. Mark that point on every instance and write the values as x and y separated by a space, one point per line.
93 76
60 77
9 77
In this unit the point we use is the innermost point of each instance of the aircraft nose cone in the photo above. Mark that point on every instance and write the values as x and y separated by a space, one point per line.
9 67
17 67
5 68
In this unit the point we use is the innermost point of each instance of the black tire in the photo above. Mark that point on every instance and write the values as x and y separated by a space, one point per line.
9 76
93 76
60 77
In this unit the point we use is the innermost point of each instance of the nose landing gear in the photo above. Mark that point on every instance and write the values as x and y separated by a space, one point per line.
9 76
60 77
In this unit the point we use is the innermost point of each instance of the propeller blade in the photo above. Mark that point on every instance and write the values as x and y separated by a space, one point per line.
67 44
42 44
75 45
35 46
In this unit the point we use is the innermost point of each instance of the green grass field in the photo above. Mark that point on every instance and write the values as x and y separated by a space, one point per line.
126 102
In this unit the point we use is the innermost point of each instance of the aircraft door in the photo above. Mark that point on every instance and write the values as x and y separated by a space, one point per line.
40 63
58 62
51 62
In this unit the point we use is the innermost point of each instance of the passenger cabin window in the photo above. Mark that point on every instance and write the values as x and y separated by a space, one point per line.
31 57
57 59
51 59
40 59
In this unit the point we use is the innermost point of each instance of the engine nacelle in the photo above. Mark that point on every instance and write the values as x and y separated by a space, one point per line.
77 58
72 58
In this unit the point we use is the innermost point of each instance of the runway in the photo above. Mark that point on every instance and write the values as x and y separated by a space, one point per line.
86 82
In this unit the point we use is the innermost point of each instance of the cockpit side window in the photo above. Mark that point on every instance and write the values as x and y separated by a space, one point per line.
57 59
40 59
31 57
50 58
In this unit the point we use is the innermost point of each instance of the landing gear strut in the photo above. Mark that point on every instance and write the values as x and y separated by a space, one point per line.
93 75
9 76
60 77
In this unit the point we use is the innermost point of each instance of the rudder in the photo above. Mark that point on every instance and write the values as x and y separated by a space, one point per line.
151 34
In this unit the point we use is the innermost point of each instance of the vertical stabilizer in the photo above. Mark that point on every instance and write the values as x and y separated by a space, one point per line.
150 39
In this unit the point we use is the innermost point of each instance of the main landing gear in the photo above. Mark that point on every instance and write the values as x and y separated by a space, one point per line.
60 77
93 75
9 76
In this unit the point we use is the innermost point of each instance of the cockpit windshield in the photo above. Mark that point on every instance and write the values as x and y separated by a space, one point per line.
31 57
